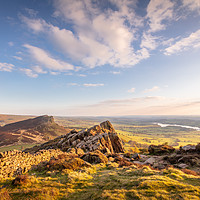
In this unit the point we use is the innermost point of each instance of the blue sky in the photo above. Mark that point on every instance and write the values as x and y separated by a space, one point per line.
109 57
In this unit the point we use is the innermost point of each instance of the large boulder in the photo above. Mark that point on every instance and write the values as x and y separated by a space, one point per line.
95 157
160 149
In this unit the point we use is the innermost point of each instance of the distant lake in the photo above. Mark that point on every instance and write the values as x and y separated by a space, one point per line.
177 125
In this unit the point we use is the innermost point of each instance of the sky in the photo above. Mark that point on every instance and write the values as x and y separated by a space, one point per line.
100 57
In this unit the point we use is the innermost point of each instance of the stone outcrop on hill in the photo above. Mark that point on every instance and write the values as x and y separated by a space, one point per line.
36 130
101 137
160 149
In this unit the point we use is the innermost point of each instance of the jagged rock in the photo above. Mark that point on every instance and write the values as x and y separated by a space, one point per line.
192 159
95 157
101 137
160 149
122 161
182 166
150 161
188 148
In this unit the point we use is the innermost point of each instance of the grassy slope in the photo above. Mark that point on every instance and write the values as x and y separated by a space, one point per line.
107 182
19 147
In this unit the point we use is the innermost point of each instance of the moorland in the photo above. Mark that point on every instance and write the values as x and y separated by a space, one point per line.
132 158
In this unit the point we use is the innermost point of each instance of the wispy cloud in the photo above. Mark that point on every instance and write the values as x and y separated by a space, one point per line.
192 41
17 57
43 58
132 106
82 75
132 90
29 72
115 72
7 67
39 69
31 12
153 89
148 41
93 84
158 11
192 5
72 84
54 73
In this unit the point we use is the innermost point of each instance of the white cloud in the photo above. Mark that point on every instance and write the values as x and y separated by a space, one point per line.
82 75
7 67
17 57
159 11
192 41
100 36
31 12
37 25
29 72
192 5
132 90
73 84
148 41
153 89
115 72
43 58
93 84
38 69
54 73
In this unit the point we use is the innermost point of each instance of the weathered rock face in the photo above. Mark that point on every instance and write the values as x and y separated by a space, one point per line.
160 149
101 137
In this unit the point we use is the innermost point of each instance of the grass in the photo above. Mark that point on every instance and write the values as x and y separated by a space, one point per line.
16 147
104 182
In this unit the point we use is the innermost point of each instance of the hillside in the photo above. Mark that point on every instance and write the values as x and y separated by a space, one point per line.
92 164
8 119
34 130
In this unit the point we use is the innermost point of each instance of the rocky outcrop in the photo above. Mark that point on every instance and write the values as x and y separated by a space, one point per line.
101 137
36 130
188 148
160 149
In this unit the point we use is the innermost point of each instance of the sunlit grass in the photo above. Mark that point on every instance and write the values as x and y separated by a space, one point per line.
102 182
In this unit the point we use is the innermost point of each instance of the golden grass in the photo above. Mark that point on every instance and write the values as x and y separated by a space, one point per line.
104 182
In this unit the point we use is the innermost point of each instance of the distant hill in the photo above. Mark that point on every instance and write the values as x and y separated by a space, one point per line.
29 131
7 119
